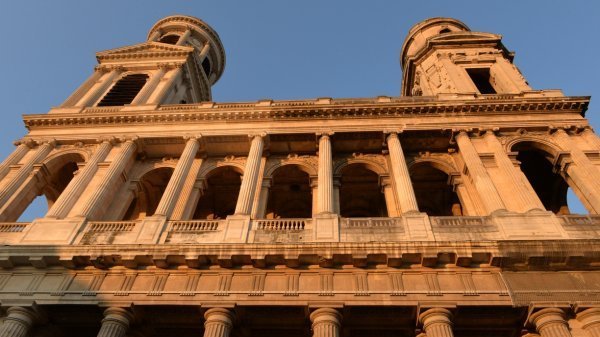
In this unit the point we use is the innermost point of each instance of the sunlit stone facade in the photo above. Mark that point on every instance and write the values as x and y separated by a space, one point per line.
441 212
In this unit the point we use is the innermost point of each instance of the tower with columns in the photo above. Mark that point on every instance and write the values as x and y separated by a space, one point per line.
441 212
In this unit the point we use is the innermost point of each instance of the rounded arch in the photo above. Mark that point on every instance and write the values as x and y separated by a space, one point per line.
537 161
360 192
209 167
151 186
437 163
145 169
431 183
550 148
71 153
303 166
290 193
220 193
372 165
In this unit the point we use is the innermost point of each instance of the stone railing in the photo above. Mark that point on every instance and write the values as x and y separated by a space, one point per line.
459 221
580 220
281 224
371 222
193 225
13 227
105 232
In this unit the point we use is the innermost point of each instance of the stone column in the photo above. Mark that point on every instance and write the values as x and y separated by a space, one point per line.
76 186
85 87
437 322
404 190
190 193
18 154
183 38
250 178
479 175
18 322
314 188
155 35
585 167
590 321
325 176
203 52
169 197
159 94
150 86
591 138
113 173
517 181
264 198
550 322
218 322
115 323
326 322
99 88
11 186
390 199
336 194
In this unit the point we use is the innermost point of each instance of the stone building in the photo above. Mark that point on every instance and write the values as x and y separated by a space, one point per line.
441 212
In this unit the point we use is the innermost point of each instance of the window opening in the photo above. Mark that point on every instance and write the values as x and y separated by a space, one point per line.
290 194
170 39
481 79
125 90
434 195
360 193
206 66
220 195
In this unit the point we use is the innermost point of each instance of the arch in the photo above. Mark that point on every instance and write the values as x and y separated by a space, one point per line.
437 163
537 160
219 196
151 187
360 190
124 90
290 193
301 164
59 170
371 163
210 166
169 38
435 195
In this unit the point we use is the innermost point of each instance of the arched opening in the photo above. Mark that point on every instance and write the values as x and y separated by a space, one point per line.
550 187
220 194
445 30
290 194
37 201
124 91
170 39
152 185
206 66
360 193
435 196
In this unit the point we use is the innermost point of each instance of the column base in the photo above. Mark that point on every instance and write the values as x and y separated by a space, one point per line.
534 225
326 227
237 228
52 231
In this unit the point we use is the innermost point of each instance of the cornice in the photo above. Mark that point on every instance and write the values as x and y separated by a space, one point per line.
144 51
311 110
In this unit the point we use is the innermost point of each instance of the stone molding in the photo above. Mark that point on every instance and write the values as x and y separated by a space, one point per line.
308 110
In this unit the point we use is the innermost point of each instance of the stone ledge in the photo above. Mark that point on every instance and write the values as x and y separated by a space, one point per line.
508 255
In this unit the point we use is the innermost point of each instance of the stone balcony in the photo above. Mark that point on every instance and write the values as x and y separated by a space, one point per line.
497 227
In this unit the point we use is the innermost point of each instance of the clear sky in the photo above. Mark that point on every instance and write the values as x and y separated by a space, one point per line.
285 49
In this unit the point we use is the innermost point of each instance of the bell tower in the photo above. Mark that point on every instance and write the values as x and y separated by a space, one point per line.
178 64
442 56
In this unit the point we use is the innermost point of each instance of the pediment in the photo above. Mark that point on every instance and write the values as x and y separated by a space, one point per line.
144 50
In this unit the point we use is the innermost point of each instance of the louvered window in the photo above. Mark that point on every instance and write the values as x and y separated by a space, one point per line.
124 91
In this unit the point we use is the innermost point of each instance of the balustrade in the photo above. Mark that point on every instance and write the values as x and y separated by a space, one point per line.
371 222
193 225
281 224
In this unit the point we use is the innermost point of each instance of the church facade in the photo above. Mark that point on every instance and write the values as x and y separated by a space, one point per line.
441 212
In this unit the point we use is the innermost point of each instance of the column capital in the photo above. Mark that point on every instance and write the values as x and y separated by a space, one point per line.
434 316
192 137
30 143
589 317
492 131
394 131
547 316
109 139
324 133
219 315
326 315
24 315
257 135
117 315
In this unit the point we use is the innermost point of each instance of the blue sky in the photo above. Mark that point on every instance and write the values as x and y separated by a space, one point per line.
283 49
